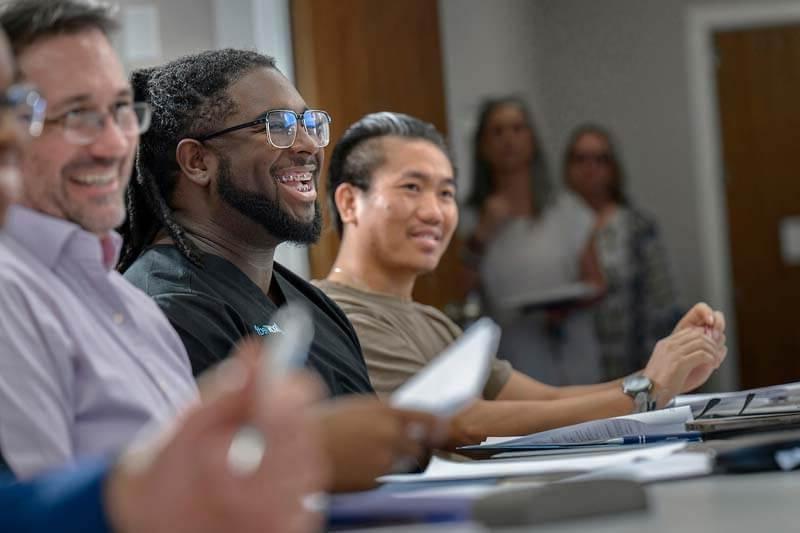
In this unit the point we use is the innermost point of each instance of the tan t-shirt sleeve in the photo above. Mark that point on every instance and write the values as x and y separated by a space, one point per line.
391 359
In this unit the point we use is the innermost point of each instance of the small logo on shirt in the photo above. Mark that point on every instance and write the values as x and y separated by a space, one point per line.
268 329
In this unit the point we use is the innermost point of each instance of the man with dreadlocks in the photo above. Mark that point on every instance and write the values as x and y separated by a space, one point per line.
226 172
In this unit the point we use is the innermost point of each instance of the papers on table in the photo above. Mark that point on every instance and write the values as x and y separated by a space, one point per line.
678 466
663 421
765 400
456 377
447 470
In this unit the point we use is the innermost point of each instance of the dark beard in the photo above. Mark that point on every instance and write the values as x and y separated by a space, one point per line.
267 212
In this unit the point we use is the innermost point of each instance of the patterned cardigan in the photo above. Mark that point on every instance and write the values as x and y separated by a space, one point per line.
641 306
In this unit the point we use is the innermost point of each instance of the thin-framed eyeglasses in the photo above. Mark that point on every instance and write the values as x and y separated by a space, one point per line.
84 126
281 127
26 106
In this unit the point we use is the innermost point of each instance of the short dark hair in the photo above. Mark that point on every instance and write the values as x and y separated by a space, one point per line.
27 21
357 154
190 98
482 179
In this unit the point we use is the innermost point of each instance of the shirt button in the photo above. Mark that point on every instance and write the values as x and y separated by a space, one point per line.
118 318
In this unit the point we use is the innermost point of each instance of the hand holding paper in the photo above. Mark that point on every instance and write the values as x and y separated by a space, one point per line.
456 377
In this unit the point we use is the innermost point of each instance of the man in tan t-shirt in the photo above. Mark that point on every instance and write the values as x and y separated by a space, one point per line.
399 336
392 191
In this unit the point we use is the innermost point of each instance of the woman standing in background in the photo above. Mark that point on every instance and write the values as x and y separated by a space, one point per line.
524 240
640 304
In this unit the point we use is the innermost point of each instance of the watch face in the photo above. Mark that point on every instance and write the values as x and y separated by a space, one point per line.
637 384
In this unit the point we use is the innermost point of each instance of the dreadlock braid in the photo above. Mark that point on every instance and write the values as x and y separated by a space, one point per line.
189 98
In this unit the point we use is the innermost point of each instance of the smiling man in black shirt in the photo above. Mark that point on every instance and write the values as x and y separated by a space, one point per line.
226 172
214 305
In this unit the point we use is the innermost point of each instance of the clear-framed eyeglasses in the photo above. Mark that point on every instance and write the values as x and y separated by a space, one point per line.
282 124
26 106
84 126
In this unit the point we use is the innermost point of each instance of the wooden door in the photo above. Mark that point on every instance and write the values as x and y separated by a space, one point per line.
354 57
758 85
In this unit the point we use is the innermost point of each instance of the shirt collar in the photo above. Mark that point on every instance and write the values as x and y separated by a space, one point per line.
48 238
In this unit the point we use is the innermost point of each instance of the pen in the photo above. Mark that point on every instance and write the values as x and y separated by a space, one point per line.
648 439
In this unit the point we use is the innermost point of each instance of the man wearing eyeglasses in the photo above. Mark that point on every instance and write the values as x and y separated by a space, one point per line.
226 172
88 360
223 177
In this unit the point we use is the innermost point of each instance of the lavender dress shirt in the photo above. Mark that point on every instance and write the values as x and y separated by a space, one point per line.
86 359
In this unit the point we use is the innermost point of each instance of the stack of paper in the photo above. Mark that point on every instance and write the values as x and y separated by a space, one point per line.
764 400
447 470
664 421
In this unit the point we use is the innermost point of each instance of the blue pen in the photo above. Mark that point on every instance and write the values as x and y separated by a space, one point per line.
691 436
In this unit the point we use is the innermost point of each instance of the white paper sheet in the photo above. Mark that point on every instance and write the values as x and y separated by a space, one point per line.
444 470
678 466
456 377
654 422
500 440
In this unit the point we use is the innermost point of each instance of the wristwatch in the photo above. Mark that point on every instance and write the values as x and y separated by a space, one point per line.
639 387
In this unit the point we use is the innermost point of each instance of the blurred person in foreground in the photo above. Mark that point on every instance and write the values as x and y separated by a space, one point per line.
180 482
88 360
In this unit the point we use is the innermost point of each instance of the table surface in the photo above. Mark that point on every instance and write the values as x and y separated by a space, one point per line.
750 503
732 503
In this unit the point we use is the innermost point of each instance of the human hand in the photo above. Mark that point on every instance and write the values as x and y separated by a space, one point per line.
591 271
495 212
183 482
366 438
713 322
681 362
462 431
702 316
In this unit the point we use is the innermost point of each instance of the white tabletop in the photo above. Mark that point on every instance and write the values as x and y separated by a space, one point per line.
753 503
734 503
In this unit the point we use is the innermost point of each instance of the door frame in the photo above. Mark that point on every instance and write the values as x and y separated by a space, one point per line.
701 23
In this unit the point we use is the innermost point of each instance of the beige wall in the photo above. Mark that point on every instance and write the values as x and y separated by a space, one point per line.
186 26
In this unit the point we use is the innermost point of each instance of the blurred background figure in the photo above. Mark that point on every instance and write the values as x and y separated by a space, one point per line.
640 304
529 246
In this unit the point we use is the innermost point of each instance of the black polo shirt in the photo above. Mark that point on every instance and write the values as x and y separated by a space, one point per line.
214 306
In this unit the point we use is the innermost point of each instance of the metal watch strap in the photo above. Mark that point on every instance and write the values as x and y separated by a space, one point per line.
643 402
